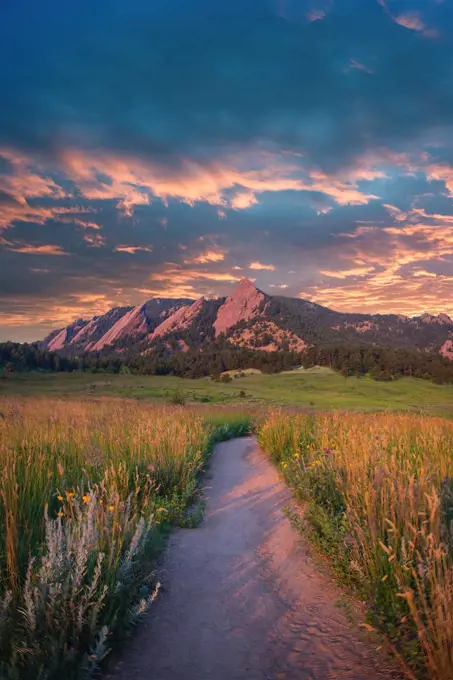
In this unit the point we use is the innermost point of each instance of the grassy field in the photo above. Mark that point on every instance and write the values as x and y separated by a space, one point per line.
92 481
315 389
88 490
378 495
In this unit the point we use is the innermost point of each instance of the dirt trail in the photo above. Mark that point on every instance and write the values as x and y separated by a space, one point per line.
241 599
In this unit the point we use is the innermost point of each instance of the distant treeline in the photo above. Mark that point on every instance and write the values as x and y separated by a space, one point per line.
214 359
380 363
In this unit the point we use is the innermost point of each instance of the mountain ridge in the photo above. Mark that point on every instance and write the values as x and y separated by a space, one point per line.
248 318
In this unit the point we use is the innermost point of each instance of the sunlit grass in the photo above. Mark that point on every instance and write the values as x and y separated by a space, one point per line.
379 499
86 488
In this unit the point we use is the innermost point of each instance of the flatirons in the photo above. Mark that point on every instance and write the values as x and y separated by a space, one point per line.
246 318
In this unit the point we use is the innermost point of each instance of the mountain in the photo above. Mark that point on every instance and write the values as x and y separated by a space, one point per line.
248 318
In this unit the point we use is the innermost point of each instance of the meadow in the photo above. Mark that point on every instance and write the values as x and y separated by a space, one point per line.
313 389
89 489
378 499
92 483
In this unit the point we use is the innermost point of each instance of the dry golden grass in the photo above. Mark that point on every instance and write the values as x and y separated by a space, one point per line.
380 499
86 487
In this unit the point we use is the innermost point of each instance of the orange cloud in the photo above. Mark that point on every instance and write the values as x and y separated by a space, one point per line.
22 182
260 266
207 256
132 180
243 200
390 264
18 247
347 273
234 181
179 275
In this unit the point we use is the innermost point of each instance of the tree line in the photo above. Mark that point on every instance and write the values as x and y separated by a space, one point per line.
216 357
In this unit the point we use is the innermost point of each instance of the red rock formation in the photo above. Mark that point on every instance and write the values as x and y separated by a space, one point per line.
244 303
131 323
447 349
179 320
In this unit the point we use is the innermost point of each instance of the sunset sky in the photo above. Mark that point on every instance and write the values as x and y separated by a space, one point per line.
171 147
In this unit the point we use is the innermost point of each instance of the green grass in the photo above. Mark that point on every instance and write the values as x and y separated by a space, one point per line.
317 389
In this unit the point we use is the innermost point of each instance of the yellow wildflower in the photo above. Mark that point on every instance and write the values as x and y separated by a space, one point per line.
70 494
60 498
111 507
101 501
60 514
86 498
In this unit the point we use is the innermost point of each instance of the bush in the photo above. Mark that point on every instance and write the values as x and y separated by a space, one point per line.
177 398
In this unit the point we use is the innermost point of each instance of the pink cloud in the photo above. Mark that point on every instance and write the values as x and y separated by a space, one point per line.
358 66
94 240
132 249
410 20
316 15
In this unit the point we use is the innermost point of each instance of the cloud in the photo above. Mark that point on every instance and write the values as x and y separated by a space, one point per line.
132 249
243 200
316 15
48 249
358 66
347 273
132 181
207 256
256 265
410 20
94 240
179 275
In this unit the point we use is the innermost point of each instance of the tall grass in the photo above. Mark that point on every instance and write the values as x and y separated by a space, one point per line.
378 492
86 490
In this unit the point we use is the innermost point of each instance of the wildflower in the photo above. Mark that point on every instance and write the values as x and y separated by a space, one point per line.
86 498
60 514
70 494
60 498
328 450
101 502
111 507
284 465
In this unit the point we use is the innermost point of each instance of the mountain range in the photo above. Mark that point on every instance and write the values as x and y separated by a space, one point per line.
247 318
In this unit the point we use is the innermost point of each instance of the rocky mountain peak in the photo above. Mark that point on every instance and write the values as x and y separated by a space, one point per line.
243 304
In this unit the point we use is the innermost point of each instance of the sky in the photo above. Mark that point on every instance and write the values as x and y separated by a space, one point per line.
171 147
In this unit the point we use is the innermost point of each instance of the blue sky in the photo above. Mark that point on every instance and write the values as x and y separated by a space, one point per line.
152 147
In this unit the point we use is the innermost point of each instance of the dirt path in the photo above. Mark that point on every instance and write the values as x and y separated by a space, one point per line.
241 599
